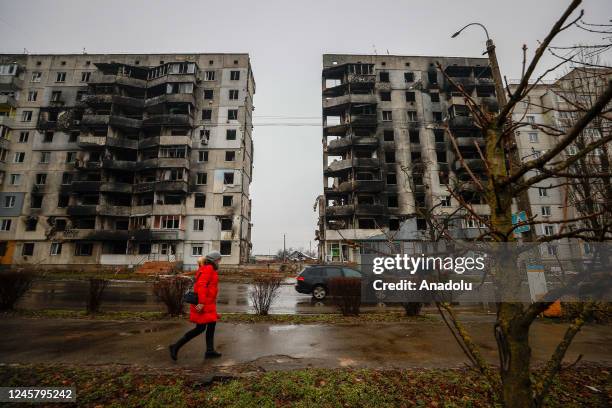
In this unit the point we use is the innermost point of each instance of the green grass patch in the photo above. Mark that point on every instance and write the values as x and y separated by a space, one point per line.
324 318
142 387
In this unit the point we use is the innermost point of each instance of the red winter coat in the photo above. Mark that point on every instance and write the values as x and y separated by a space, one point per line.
206 286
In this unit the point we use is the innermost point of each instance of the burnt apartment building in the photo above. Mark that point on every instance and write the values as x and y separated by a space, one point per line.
122 159
387 160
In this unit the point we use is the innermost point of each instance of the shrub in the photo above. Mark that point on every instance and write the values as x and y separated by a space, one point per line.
13 285
346 294
412 308
170 291
263 293
94 297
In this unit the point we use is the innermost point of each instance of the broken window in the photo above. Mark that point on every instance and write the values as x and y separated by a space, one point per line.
60 77
391 178
383 76
409 76
445 201
56 248
85 76
19 157
201 178
23 137
415 157
73 137
36 201
443 177
414 136
437 116
232 114
5 225
226 248
392 201
385 96
36 76
441 157
227 201
230 156
439 135
203 155
387 116
32 95
83 249
208 94
233 94
31 223
70 157
27 249
62 201
48 137
421 224
366 223
56 96
61 224
432 77
198 224
228 178
200 201
412 116
410 96
226 224
26 116
173 152
435 97
41 178
234 75
394 224
366 199
209 75
388 136
206 114
390 157
230 134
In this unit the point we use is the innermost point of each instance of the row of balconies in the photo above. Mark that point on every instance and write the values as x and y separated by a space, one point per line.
144 234
355 209
89 141
139 103
99 78
125 211
362 186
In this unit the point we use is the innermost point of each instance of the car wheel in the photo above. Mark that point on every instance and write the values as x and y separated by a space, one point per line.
319 292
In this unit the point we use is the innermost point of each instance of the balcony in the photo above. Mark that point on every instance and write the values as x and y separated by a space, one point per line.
169 209
10 83
369 209
95 120
115 187
364 120
148 234
121 143
343 144
172 78
172 186
366 81
475 165
5 143
163 162
168 120
339 211
87 165
105 99
461 122
82 209
144 187
86 142
362 186
85 186
170 98
7 101
98 78
164 141
339 103
340 166
7 121
114 210
120 165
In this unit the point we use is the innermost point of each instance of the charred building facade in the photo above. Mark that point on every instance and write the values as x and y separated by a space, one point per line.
123 159
387 159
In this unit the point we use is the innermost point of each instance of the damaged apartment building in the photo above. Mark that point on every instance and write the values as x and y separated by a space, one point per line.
124 159
386 155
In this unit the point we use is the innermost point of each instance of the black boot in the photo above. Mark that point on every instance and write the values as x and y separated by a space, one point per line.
212 354
174 348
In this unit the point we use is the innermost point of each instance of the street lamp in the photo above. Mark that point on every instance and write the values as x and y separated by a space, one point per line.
499 85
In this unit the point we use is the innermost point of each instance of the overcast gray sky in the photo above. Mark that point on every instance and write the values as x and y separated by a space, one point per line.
285 40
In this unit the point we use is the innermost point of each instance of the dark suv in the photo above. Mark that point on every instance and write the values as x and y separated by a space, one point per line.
313 278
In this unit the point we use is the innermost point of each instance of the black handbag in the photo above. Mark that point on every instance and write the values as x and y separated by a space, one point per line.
190 296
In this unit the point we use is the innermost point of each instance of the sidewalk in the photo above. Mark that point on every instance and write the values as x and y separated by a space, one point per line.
256 347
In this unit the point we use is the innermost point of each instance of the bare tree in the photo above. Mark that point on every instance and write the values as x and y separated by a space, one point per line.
505 177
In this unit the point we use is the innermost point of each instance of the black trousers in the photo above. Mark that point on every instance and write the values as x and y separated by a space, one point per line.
209 328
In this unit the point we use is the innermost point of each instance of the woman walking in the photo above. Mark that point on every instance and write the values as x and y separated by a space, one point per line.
204 314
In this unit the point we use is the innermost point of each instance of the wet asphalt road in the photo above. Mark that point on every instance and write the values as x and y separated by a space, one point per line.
138 296
253 347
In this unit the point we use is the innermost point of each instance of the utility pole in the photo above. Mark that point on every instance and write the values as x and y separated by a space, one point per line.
522 199
284 248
